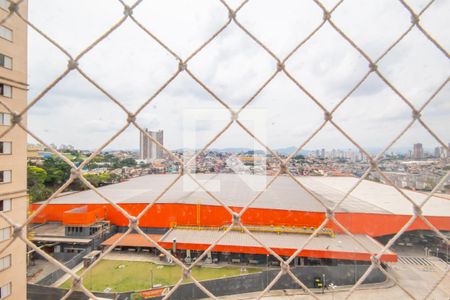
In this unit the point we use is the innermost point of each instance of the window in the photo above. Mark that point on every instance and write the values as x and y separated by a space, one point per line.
5 90
5 290
5 262
5 234
5 61
5 119
5 176
6 33
4 4
5 205
5 147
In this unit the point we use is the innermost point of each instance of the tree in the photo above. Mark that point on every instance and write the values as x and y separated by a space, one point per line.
39 192
58 171
128 162
35 180
35 175
94 179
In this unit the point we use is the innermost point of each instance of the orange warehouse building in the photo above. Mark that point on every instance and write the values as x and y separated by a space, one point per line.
372 209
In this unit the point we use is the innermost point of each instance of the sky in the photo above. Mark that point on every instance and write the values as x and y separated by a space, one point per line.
131 66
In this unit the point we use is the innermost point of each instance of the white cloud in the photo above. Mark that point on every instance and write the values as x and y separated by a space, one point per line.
132 66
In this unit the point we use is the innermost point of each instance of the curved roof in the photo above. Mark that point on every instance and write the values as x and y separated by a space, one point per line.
283 193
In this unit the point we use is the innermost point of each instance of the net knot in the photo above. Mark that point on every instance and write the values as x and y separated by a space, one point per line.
131 118
17 229
284 267
76 282
72 64
182 66
330 214
74 173
127 11
186 273
375 260
231 14
236 219
373 163
133 222
417 210
280 66
13 7
283 168
16 118
234 115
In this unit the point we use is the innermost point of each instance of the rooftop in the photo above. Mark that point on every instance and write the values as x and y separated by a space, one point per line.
132 240
341 246
284 193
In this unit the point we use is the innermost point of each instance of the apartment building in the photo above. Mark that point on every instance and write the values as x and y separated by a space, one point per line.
148 150
13 180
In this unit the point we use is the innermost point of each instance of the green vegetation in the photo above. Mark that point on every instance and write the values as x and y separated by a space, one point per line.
123 276
35 181
52 172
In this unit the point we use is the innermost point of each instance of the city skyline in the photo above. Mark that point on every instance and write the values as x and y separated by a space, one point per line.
427 150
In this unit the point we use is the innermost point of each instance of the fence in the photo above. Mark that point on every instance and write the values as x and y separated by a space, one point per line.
38 292
279 67
342 275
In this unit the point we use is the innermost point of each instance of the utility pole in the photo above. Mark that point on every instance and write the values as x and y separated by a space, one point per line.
151 276
323 283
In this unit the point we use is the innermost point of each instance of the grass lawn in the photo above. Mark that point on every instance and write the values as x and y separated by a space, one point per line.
123 276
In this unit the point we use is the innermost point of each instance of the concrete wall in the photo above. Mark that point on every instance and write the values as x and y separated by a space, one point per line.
341 275
39 292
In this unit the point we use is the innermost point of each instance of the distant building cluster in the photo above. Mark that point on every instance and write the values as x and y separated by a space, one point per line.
417 169
441 152
346 154
148 149
418 152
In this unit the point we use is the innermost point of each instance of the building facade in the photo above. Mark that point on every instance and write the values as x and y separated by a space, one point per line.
417 151
13 165
148 150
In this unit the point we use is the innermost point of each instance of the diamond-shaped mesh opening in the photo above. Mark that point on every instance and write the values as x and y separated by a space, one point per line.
303 16
171 30
415 69
320 65
377 19
221 59
131 58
